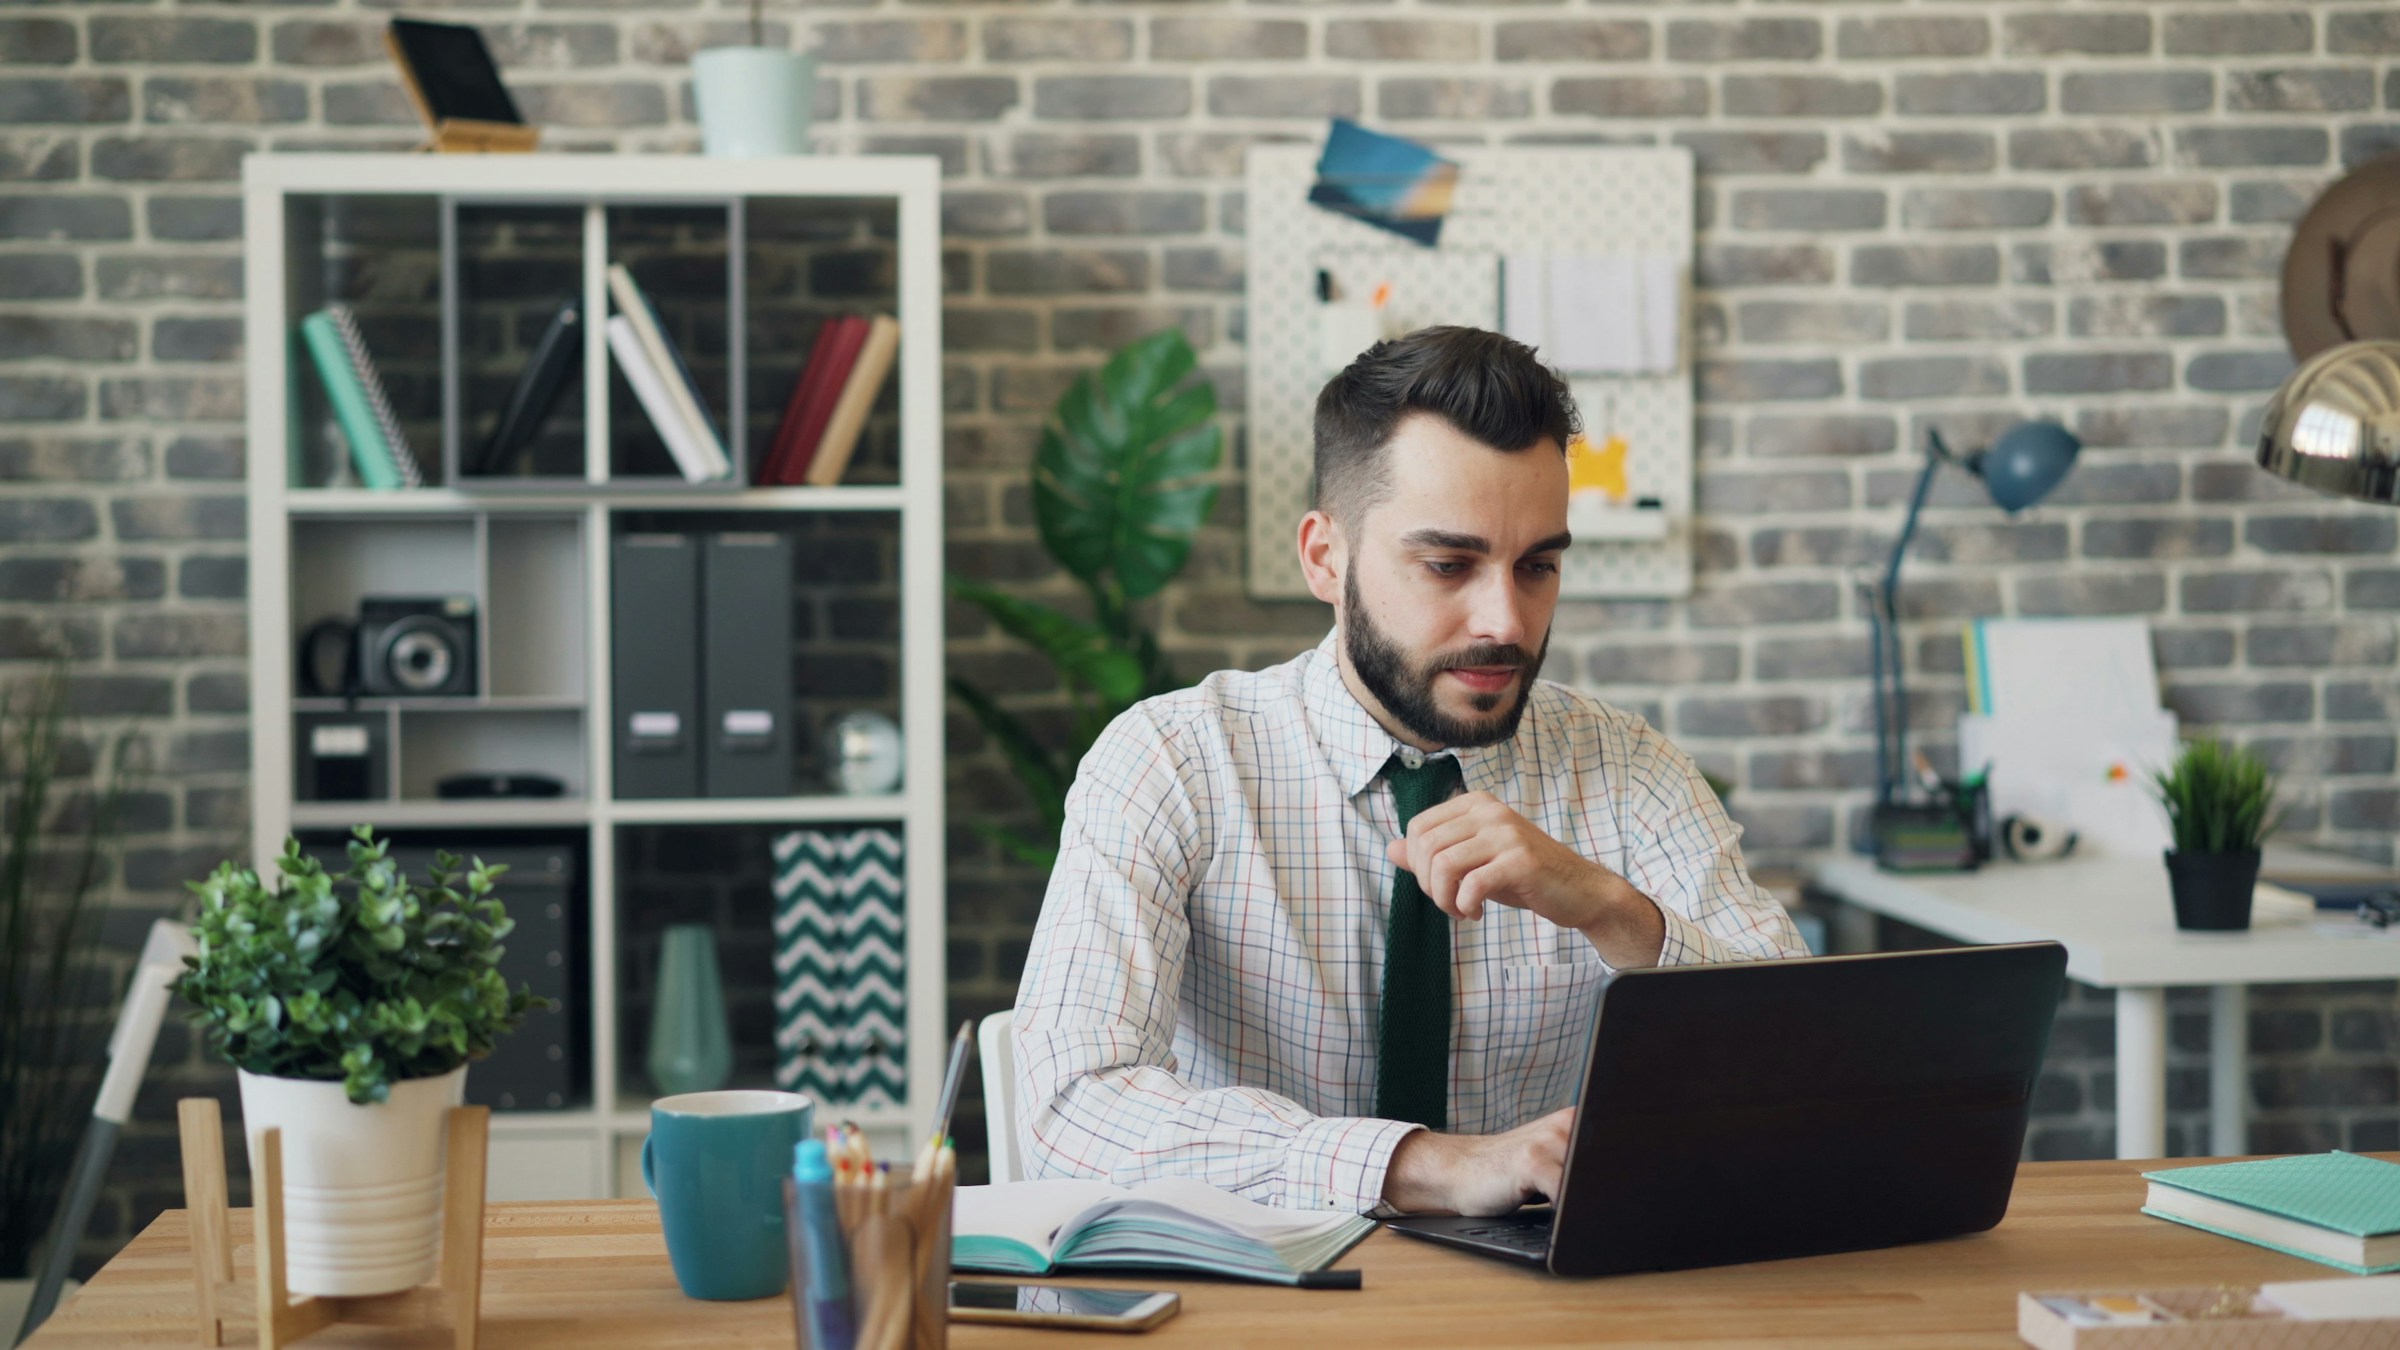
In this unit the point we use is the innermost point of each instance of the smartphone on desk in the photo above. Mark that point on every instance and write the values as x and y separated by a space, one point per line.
1051 1305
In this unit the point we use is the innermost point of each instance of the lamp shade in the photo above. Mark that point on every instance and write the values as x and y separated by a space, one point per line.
2334 426
2027 461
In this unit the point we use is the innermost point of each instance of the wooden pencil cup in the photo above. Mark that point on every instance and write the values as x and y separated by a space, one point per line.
454 1301
899 1268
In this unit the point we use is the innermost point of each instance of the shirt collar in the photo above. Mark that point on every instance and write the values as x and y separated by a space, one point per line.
1358 747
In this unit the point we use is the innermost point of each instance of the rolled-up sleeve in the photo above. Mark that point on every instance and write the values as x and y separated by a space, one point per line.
1098 1088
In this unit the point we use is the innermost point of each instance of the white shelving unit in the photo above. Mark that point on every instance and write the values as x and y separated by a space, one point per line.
542 546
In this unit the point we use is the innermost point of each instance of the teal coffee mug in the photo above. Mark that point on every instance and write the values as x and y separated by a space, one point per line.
716 1161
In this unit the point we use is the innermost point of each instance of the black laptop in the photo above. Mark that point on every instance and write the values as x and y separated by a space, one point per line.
1788 1108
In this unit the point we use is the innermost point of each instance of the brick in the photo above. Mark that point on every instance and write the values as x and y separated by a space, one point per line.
2087 260
2002 208
1284 96
2237 372
1783 827
151 39
1578 40
1631 96
2264 203
1970 94
50 580
2345 533
1663 663
61 337
2069 148
571 46
1844 434
189 276
1752 152
1079 329
1813 321
1101 97
2237 34
2146 316
2362 143
2375 809
2241 482
1417 99
1812 658
1925 265
1977 320
1901 39
2132 92
179 99
1818 546
1049 154
936 98
1767 381
1749 715
2191 648
1207 39
2097 372
1744 40
624 103
2158 537
2355 701
40 276
374 103
214 693
213 578
168 159
1901 378
912 41
2186 203
1067 271
37 42
2300 90
1401 40
178 518
329 43
2075 34
2224 704
1919 152
47 520
2363 32
1205 269
1729 266
2247 591
1805 770
217 458
2313 646
2152 427
985 214
2091 593
1800 96
40 157
1824 209
1092 212
2240 147
64 100
1986 544
40 398
1723 493
172 398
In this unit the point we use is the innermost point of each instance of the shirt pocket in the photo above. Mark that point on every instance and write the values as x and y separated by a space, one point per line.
1544 1034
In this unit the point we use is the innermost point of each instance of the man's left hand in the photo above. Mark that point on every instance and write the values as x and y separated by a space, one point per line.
1472 851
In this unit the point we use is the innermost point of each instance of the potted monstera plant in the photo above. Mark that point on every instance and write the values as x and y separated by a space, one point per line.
352 1003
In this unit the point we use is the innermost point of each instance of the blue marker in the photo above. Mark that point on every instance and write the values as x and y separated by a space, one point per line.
831 1322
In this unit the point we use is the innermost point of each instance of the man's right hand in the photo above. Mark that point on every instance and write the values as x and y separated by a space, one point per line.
1479 1174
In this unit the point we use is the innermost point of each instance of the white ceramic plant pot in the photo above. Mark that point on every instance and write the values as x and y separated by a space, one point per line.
362 1185
754 101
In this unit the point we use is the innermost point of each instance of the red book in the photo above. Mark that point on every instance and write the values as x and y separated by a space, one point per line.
840 355
811 371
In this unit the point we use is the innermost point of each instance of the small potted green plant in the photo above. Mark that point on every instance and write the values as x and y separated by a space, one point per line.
2220 805
352 1003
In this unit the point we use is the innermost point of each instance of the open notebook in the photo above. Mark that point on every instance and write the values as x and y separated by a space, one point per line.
1035 1227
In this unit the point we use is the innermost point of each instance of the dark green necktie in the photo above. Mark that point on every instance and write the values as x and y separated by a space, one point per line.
1412 1080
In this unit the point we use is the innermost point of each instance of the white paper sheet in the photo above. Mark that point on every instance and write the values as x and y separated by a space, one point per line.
2355 1297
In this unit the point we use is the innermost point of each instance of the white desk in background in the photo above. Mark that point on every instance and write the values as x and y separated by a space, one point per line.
2118 924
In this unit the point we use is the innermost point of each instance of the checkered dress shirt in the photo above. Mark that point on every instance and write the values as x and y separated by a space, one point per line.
1201 995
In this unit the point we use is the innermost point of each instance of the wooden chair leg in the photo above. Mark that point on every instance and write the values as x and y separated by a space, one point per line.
465 1151
200 1122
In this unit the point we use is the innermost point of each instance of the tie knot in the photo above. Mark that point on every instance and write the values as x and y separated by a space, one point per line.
1434 779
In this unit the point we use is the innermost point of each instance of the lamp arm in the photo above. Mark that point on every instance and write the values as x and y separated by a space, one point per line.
1891 708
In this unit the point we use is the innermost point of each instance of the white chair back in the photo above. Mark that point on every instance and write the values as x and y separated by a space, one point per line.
995 1038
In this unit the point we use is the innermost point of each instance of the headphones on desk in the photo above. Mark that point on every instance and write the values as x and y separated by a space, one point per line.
2031 839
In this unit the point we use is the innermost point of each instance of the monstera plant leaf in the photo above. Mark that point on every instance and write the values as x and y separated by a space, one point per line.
1083 653
1115 481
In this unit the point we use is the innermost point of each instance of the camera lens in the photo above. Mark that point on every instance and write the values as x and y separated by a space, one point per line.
419 658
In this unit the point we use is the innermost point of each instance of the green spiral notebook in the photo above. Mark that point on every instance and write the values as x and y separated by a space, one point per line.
2338 1208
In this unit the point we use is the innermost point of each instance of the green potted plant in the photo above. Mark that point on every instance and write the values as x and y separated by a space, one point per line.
55 856
2220 805
352 1003
1118 493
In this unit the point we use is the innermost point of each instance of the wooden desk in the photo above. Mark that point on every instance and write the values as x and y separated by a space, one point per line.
594 1274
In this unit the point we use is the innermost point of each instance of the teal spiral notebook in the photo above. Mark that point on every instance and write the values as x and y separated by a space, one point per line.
2338 1208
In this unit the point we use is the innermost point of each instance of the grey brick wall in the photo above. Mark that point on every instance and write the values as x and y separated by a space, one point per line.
1913 215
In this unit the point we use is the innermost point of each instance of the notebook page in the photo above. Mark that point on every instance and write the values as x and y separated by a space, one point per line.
1029 1212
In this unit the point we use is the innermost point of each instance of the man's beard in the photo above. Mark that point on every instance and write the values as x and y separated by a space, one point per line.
1406 691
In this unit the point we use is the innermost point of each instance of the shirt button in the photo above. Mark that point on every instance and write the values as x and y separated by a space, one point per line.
1412 757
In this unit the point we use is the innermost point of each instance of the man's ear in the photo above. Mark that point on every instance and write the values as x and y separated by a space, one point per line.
1324 555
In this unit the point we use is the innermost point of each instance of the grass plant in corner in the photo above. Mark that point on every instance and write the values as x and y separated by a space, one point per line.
352 1003
2220 805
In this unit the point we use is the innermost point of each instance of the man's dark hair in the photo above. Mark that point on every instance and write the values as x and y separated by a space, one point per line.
1488 385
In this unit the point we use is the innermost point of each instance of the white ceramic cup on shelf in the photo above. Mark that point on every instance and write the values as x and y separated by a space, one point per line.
754 101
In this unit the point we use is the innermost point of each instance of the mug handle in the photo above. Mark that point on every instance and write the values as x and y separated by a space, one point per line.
647 1179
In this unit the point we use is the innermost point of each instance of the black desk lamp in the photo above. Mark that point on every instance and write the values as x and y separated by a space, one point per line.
2019 469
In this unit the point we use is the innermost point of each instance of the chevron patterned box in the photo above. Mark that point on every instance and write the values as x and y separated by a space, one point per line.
841 973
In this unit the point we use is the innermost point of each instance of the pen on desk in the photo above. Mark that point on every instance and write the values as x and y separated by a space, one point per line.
832 1322
1324 286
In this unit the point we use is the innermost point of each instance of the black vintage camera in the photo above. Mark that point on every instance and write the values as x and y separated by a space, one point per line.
416 647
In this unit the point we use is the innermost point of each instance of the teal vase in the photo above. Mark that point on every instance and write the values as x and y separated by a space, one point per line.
691 1048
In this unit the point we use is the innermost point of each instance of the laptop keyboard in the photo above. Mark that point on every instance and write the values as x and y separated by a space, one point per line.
1524 1234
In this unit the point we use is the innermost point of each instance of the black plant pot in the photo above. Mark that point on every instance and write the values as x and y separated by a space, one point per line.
2213 890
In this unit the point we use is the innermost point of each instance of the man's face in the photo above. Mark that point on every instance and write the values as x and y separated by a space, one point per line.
1452 581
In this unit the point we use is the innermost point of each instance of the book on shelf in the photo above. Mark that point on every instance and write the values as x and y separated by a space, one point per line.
682 390
804 387
361 407
2342 1209
650 387
859 388
791 457
1037 1227
547 372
